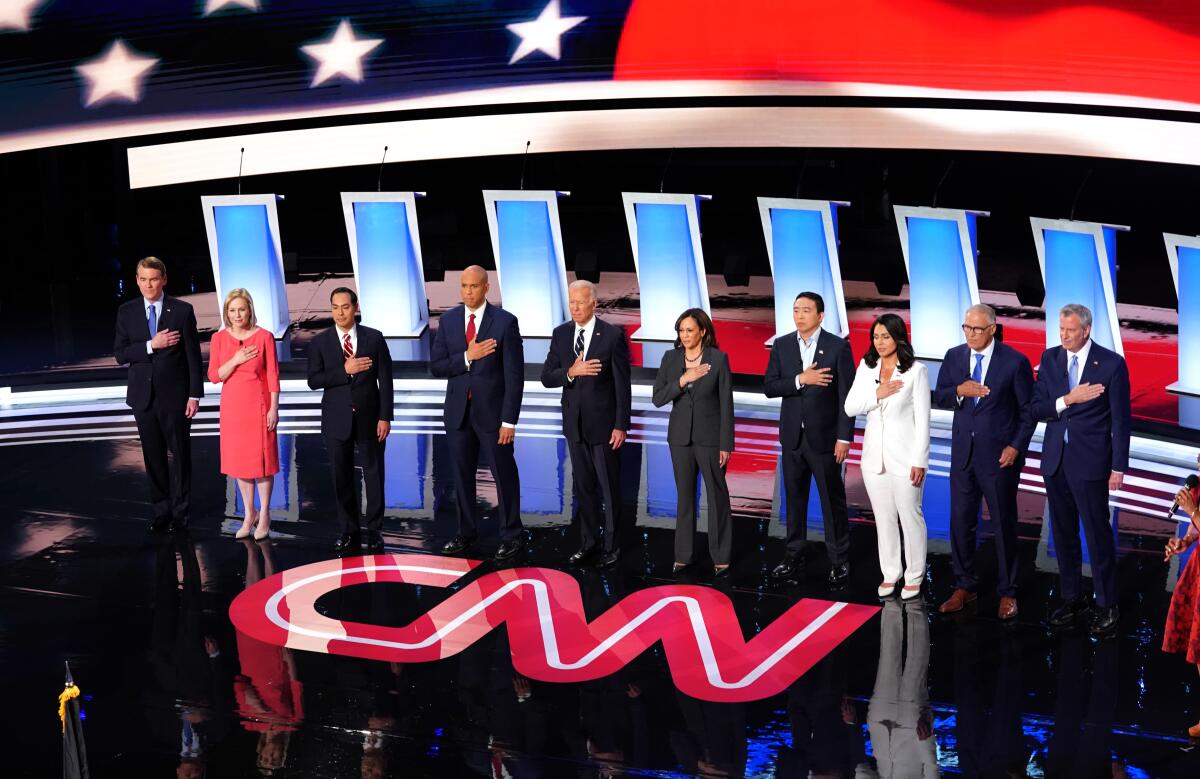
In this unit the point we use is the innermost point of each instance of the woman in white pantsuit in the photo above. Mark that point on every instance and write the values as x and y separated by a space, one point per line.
892 389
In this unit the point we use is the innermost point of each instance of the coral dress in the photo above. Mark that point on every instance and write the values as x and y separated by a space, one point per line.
1182 632
248 449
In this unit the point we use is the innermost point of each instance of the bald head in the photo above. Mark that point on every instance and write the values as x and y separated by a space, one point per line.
473 286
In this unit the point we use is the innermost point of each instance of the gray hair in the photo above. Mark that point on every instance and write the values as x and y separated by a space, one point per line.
986 310
1075 309
584 284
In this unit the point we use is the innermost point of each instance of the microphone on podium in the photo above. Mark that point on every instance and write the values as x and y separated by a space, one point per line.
1192 483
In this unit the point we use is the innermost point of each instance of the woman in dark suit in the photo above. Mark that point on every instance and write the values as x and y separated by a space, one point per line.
695 379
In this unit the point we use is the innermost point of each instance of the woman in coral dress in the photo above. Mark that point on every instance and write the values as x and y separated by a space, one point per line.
242 356
1182 632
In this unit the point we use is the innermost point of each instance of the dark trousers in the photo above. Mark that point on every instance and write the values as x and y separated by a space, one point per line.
597 470
165 430
465 445
341 461
1073 499
968 488
687 461
800 466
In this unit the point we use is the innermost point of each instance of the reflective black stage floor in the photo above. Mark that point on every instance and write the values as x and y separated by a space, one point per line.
171 688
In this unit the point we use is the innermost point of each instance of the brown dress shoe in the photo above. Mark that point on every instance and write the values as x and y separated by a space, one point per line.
957 601
1008 608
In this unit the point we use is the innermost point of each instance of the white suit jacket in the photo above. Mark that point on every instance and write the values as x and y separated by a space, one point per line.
897 434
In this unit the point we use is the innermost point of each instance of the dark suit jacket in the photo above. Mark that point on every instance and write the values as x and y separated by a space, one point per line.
1002 419
817 413
592 406
1099 429
168 376
703 413
495 383
369 392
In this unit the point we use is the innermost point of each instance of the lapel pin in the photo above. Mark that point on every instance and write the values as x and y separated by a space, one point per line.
820 351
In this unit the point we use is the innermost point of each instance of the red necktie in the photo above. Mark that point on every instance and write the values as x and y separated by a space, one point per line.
470 338
347 349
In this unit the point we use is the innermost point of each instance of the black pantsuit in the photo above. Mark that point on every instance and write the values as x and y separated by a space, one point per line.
699 429
597 480
165 428
801 466
466 443
341 463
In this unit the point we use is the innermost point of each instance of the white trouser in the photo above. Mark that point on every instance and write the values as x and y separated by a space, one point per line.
897 504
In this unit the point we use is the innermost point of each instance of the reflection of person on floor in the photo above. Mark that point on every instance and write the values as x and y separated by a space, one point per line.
269 695
714 742
823 724
899 717
1083 713
990 739
1182 632
185 663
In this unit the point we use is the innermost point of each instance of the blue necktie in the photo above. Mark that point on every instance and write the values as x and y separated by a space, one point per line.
977 374
152 319
1072 383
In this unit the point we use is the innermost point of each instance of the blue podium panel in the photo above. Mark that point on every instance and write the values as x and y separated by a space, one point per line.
405 469
243 241
664 231
1183 253
801 238
939 246
284 500
530 269
385 248
1078 261
541 461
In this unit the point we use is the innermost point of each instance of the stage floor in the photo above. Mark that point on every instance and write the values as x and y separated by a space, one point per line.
171 686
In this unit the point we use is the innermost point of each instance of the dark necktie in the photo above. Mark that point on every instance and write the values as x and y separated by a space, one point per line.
579 343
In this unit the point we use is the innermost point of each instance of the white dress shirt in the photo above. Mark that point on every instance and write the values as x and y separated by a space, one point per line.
588 328
353 333
1060 405
987 353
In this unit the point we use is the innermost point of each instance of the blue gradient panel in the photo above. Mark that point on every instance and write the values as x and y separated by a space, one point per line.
391 284
939 291
666 268
529 266
248 258
540 463
660 480
801 262
281 496
404 471
1073 276
1189 316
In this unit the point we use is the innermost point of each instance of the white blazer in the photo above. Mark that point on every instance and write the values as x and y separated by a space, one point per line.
897 435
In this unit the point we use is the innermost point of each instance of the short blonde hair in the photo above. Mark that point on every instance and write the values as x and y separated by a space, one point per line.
233 295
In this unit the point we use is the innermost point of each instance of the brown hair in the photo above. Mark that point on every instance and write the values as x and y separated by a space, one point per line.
152 263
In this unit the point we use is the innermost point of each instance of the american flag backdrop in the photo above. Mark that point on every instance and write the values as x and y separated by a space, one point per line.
69 65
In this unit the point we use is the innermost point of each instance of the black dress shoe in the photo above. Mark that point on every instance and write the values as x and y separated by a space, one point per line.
720 571
347 542
510 547
160 525
374 542
582 556
838 574
1104 620
609 559
788 566
458 544
1067 613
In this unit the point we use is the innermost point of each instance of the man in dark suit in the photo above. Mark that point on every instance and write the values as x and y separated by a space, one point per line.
1082 393
156 337
589 359
351 364
477 349
989 386
812 371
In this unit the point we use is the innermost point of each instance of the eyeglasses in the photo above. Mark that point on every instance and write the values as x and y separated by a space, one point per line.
972 330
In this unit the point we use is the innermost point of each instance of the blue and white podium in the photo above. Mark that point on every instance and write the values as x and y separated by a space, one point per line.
243 241
530 266
1079 265
385 250
664 231
1183 253
802 247
940 254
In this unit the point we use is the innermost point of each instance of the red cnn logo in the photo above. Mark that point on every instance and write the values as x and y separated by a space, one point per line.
548 632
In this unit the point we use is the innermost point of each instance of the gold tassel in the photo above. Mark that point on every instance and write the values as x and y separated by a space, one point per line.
70 692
